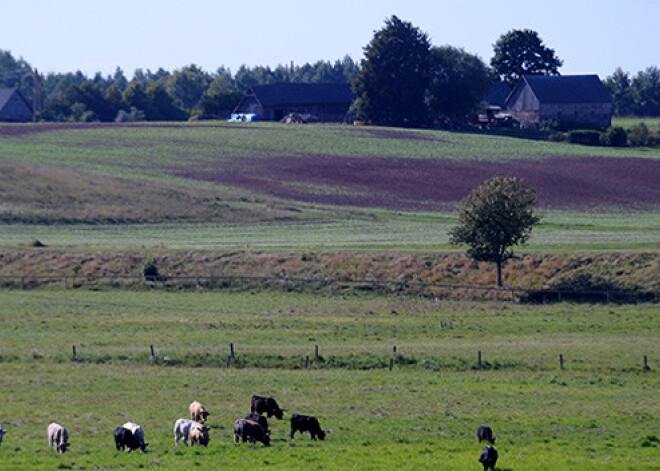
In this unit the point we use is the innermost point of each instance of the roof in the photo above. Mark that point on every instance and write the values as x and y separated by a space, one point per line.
303 93
5 95
567 88
497 94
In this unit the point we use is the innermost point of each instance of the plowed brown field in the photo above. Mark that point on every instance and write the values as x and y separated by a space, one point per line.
564 182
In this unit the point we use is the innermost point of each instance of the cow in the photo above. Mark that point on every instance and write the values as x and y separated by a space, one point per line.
488 458
267 405
260 419
198 412
199 435
3 432
138 432
484 432
58 436
250 431
125 439
182 430
306 423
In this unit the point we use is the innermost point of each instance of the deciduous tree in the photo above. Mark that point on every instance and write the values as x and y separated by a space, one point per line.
493 218
459 81
522 52
392 81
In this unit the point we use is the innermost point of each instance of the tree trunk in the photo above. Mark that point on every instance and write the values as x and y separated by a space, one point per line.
499 273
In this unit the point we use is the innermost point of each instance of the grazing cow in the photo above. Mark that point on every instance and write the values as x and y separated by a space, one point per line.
182 430
267 405
58 436
260 419
488 457
2 434
138 432
306 423
198 412
199 435
484 432
250 431
125 439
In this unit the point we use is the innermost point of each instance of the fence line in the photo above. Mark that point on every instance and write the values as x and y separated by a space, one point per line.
285 282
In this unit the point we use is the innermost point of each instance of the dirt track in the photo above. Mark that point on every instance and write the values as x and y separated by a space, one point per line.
569 183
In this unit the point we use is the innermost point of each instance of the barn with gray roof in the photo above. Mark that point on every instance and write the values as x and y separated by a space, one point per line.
572 100
14 108
325 101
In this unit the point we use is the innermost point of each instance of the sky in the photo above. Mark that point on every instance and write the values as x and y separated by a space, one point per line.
594 36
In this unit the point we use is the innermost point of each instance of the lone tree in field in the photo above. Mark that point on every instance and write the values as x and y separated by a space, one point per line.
494 217
522 52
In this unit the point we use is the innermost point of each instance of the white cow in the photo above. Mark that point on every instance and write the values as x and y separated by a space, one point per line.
58 436
2 434
182 429
138 432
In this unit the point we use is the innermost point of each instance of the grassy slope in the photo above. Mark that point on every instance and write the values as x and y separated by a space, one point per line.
124 174
597 413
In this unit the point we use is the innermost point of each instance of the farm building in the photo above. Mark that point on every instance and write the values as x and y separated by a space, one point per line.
14 108
574 100
325 101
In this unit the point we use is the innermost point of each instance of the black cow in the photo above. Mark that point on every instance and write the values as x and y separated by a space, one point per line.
484 432
267 405
260 419
306 423
250 431
125 439
488 457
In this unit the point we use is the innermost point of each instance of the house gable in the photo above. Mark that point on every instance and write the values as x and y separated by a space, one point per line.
14 107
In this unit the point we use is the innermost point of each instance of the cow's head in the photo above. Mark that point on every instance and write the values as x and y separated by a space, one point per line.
321 434
279 413
143 447
64 447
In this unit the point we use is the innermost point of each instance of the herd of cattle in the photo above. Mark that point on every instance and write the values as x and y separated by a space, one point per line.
253 428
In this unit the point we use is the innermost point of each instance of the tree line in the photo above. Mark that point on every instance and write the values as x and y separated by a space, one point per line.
402 80
158 95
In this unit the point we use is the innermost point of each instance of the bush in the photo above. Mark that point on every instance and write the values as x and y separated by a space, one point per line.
639 135
150 270
617 136
132 116
587 137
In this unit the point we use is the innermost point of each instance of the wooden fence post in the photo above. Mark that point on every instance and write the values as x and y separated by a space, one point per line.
391 363
228 361
231 349
561 361
646 362
153 356
316 352
479 358
75 356
394 349
307 362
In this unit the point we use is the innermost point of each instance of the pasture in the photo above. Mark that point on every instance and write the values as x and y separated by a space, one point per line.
601 410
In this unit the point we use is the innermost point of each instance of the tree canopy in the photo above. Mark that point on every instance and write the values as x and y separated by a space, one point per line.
522 52
393 78
458 82
496 216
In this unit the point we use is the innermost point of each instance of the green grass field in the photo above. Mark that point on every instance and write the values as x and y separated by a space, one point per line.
601 411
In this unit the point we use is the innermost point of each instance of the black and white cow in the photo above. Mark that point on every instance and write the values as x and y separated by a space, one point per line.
484 432
58 437
125 439
3 432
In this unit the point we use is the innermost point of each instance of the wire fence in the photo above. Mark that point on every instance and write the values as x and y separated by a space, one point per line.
402 287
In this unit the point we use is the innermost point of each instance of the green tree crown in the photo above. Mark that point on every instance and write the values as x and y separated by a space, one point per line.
522 52
496 216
